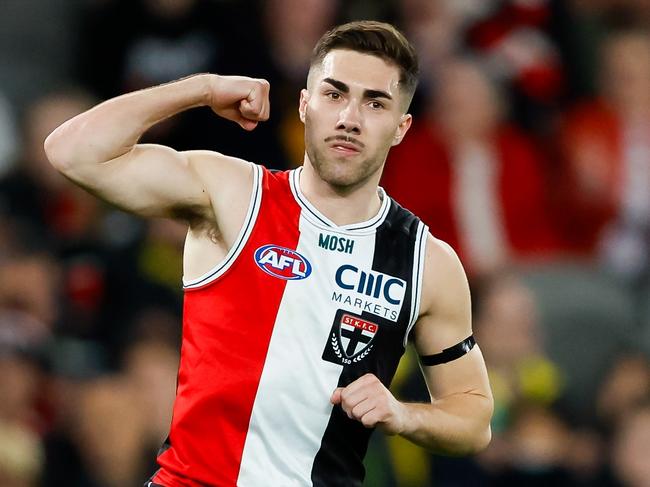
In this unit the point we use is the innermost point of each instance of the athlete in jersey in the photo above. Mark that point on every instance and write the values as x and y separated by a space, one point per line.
300 307
301 288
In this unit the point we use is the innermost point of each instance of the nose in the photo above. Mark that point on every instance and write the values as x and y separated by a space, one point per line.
349 119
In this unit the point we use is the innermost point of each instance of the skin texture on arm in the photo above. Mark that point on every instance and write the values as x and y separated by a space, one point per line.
99 148
457 421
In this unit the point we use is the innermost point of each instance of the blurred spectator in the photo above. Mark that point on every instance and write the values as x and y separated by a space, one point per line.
606 143
135 411
37 47
513 37
8 136
22 339
508 330
30 283
33 192
537 448
434 28
21 456
109 432
150 367
631 447
72 364
147 42
477 181
625 387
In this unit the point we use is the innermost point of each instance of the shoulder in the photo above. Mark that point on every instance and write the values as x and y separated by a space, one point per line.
440 257
224 168
444 282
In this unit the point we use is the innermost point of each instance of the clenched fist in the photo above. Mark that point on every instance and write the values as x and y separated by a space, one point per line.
240 99
367 400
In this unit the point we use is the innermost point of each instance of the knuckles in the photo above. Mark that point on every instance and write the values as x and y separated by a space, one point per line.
368 421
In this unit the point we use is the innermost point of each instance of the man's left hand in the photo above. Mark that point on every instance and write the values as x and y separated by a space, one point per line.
367 400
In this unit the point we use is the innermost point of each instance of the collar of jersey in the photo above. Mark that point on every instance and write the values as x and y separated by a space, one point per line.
320 220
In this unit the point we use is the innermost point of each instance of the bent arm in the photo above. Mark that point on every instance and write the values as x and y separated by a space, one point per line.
457 421
99 148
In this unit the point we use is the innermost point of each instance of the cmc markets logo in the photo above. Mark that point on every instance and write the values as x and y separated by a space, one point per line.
372 284
282 263
369 291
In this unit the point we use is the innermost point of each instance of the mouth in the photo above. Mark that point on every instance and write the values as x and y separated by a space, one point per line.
344 145
345 149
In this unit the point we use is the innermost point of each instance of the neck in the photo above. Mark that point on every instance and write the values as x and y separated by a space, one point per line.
342 205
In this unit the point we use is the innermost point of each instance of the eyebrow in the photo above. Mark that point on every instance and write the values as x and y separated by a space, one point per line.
341 86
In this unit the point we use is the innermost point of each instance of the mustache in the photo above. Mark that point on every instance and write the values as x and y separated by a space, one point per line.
345 138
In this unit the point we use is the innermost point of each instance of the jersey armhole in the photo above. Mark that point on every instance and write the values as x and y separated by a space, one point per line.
242 237
418 271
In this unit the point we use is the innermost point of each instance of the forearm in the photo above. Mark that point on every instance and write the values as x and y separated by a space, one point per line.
114 127
455 425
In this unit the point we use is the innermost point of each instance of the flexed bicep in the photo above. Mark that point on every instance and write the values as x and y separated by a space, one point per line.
149 180
98 149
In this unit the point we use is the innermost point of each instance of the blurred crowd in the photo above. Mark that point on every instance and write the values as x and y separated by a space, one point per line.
529 154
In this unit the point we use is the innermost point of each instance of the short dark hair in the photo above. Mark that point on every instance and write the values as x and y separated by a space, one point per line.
377 38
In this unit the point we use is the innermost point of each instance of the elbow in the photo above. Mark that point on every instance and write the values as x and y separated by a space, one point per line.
482 440
481 434
55 152
483 437
61 148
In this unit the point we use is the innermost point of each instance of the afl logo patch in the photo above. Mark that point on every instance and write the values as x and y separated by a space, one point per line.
282 263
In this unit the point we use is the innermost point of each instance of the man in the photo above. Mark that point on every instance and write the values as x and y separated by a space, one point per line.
302 288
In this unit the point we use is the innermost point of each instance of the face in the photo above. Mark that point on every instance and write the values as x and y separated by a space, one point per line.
626 74
466 104
353 111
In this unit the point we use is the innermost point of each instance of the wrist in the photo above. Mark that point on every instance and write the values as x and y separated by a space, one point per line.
404 423
210 86
204 87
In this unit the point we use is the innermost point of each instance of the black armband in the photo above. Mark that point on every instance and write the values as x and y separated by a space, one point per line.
449 354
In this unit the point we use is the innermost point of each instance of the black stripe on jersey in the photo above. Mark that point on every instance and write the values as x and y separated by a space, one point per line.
339 461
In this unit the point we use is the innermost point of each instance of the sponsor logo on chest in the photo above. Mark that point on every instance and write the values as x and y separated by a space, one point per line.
369 291
338 244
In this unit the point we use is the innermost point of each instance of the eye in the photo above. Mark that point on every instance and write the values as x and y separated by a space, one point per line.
376 105
333 95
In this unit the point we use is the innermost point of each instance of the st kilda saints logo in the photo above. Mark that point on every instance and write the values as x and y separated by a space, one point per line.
350 339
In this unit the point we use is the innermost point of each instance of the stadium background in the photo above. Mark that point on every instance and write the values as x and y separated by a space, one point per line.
530 153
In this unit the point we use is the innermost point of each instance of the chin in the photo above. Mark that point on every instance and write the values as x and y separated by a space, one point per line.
339 174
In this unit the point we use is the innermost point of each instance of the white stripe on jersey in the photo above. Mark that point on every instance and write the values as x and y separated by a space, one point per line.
419 254
296 384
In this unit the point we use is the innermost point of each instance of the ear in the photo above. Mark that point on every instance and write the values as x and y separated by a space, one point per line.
304 99
402 128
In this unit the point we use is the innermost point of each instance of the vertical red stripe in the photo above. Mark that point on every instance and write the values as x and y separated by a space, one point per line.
227 327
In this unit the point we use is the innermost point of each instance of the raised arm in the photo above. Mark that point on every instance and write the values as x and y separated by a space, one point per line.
457 420
99 148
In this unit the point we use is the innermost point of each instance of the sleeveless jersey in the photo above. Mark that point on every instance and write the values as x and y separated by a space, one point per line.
298 307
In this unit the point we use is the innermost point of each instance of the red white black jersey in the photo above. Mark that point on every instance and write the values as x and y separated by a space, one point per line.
298 307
